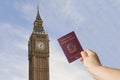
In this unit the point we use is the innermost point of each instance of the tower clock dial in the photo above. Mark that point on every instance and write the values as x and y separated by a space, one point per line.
40 45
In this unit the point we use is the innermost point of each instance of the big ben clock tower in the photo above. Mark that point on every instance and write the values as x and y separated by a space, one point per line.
38 51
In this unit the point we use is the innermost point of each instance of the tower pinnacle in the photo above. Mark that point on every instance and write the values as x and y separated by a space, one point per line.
38 15
38 23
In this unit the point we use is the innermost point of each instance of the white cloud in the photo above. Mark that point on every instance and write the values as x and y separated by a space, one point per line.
13 29
14 37
13 65
67 11
26 9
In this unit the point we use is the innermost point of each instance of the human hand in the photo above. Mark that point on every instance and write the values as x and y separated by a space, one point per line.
90 60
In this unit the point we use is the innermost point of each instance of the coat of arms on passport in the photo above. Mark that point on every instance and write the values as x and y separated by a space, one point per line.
70 46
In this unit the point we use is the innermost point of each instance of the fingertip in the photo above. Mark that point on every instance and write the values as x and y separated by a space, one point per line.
83 54
81 60
89 51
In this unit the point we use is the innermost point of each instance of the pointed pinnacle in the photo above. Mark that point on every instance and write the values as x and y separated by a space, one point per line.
38 15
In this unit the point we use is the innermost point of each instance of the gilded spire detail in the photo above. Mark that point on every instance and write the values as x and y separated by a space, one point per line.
38 14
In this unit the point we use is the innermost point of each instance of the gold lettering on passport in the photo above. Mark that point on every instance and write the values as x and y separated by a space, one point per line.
67 39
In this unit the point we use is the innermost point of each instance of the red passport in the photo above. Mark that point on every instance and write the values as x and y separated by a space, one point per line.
70 46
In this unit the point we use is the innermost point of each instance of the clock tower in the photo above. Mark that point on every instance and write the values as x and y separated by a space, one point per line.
38 51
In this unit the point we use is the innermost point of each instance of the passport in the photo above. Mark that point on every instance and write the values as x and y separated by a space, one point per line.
70 46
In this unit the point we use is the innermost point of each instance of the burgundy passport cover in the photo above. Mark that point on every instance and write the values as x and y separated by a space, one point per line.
70 46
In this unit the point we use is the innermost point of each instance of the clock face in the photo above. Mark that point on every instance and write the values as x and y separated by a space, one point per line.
40 45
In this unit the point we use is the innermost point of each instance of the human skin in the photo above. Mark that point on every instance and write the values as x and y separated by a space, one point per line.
93 65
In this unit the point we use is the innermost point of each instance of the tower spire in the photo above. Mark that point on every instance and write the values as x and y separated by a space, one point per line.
38 23
38 14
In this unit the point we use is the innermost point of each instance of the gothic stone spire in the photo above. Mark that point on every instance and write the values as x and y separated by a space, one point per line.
38 15
38 23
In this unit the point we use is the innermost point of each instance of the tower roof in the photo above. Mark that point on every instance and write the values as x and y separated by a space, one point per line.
38 14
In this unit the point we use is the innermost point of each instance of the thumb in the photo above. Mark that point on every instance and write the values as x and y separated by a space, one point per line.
83 54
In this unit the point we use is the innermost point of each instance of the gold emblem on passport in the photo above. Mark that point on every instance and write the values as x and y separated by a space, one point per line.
71 48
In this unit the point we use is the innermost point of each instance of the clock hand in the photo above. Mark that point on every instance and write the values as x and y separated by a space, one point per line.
40 45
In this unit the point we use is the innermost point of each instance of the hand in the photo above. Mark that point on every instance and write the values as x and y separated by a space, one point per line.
90 60
92 63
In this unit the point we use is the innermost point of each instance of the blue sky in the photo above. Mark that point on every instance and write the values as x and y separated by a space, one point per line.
95 22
